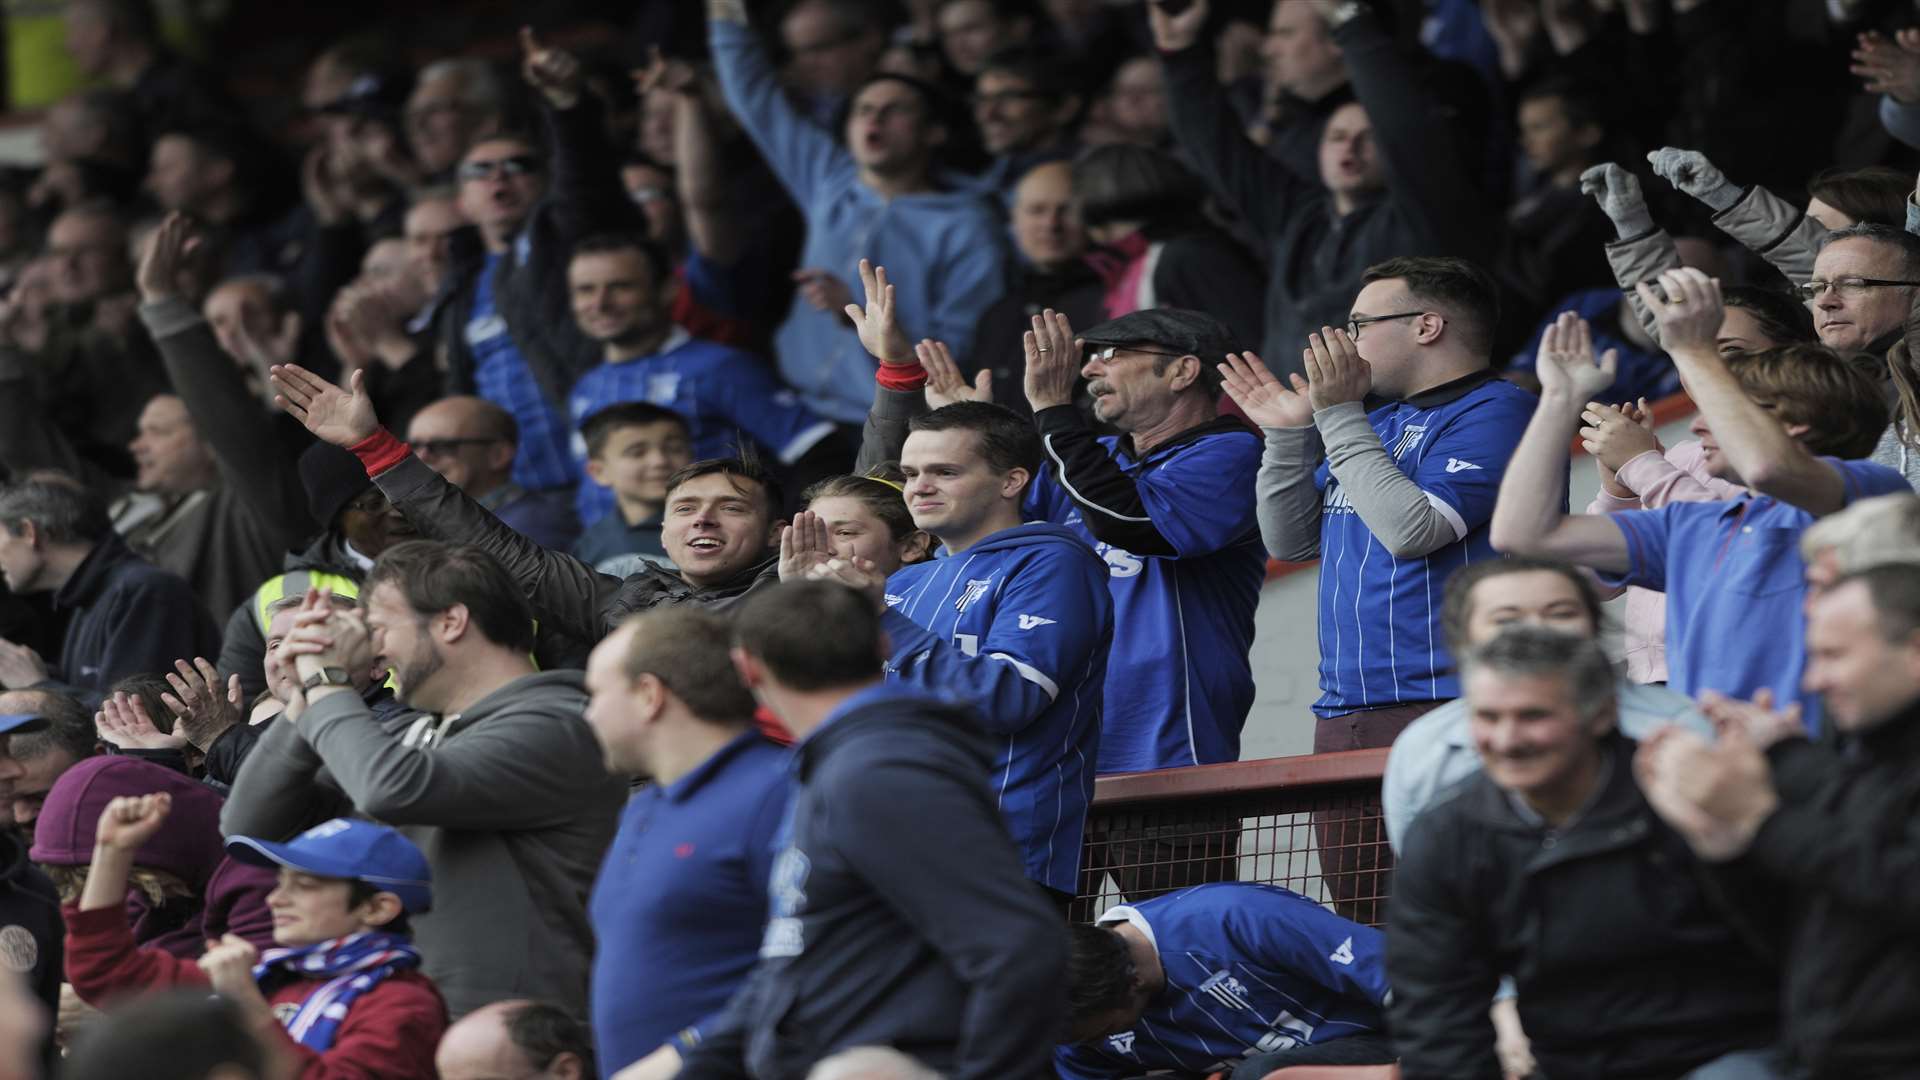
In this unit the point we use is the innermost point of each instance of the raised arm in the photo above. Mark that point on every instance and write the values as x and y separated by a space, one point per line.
1643 250
899 382
1768 225
1529 517
566 593
1206 126
799 152
1431 186
1755 444
585 195
713 226
225 415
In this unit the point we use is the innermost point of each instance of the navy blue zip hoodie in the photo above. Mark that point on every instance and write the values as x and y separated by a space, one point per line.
899 913
1017 626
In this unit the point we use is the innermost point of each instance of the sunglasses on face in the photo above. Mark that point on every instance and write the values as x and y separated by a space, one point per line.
518 165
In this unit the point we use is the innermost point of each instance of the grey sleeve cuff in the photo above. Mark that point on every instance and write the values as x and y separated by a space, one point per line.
169 316
1288 503
1406 521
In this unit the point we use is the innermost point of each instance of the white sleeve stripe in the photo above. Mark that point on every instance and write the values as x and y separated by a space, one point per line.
1030 673
1082 499
805 441
1453 516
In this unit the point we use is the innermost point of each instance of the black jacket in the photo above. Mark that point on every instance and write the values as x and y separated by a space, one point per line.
1074 290
572 600
126 616
1845 844
1627 958
32 934
1315 258
899 912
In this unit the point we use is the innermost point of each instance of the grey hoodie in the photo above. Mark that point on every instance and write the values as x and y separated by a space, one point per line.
509 800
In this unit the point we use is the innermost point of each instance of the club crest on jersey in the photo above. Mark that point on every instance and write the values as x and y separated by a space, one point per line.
1121 1043
1222 987
1410 437
976 588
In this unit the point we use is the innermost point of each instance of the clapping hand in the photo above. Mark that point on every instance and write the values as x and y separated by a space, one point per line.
855 573
1614 435
20 666
202 707
1266 401
1757 720
1690 313
1053 355
1565 362
340 417
1620 198
123 721
879 333
945 384
1336 373
167 249
804 544
1889 67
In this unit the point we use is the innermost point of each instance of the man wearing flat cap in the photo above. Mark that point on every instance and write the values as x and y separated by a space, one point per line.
1168 503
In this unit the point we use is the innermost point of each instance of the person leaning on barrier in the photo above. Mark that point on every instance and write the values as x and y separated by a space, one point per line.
1629 961
1829 827
900 913
1227 978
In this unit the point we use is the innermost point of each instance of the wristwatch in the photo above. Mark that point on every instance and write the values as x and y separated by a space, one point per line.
333 676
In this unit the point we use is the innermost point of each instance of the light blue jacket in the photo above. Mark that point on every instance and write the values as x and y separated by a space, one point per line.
942 249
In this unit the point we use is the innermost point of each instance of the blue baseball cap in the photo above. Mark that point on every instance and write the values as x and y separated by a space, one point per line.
12 722
354 850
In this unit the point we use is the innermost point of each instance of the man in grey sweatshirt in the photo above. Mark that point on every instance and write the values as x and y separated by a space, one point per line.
492 769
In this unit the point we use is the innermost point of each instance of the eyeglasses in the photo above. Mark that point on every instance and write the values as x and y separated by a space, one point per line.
1850 287
1355 322
1108 353
438 448
518 165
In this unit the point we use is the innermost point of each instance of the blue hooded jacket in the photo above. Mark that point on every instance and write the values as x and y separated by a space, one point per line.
1018 627
942 249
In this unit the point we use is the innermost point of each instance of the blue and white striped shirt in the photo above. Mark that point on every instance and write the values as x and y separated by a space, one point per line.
1380 636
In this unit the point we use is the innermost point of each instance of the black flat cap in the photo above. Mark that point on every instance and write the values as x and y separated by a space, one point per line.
1175 329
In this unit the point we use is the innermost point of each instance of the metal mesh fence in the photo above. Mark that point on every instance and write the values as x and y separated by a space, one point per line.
1322 840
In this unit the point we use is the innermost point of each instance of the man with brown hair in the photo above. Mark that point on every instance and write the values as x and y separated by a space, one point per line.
491 770
682 898
1790 424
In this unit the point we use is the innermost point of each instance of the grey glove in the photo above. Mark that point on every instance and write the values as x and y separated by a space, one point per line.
1618 193
1691 172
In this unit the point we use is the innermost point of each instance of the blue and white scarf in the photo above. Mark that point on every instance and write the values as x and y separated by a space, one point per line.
351 965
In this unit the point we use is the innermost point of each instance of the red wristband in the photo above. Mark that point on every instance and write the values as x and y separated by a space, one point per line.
380 451
901 376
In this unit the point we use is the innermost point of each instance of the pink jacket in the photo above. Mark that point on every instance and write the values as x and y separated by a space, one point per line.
1679 475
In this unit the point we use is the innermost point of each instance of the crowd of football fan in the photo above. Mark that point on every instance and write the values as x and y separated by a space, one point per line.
628 564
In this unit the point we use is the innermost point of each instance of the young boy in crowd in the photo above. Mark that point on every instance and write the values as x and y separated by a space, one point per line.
342 989
632 447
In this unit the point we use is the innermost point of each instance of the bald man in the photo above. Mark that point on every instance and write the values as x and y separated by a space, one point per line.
527 1040
472 442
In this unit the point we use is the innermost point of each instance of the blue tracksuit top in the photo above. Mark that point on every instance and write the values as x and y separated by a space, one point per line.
1180 681
1017 627
1250 969
944 249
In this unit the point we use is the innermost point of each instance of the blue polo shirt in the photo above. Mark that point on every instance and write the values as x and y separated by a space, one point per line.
1735 585
681 900
1250 969
501 375
1380 637
726 396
